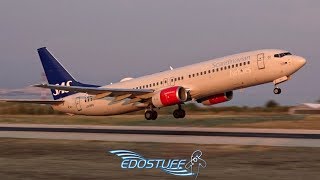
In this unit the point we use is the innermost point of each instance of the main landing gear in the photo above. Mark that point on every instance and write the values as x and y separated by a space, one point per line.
151 114
179 113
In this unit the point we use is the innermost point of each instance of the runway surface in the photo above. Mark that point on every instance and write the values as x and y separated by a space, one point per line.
238 136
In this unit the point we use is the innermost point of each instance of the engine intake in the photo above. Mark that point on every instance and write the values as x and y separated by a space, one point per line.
170 96
219 98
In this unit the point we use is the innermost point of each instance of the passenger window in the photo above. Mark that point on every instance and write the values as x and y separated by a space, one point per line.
244 63
200 73
212 70
178 78
228 67
221 68
248 62
209 71
205 72
236 65
192 75
197 74
161 82
154 84
189 76
217 69
240 64
181 77
232 66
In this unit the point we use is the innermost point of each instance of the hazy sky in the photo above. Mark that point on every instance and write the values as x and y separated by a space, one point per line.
104 41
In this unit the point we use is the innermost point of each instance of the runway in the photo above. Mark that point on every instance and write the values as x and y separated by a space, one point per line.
238 136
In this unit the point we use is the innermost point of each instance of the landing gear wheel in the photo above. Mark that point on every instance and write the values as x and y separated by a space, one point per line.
151 115
276 90
148 115
179 113
182 113
154 115
176 113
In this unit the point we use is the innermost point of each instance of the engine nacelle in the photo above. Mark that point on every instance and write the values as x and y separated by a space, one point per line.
170 96
219 98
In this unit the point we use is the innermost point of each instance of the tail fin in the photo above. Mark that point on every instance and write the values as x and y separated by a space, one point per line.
56 74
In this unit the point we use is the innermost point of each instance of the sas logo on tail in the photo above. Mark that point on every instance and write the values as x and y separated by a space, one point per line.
58 92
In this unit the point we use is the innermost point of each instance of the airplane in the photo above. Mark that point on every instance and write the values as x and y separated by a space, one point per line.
210 82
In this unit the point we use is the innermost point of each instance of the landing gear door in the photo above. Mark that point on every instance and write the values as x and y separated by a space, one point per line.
78 105
260 61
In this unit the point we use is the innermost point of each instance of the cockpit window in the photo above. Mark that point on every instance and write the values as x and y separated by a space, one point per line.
282 54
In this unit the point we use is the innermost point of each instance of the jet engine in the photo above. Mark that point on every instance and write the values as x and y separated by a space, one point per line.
218 98
169 96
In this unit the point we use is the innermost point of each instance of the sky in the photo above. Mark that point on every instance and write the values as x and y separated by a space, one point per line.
104 41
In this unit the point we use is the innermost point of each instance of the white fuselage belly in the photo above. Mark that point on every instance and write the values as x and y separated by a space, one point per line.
262 68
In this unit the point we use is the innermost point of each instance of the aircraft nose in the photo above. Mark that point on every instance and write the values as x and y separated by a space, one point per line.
300 61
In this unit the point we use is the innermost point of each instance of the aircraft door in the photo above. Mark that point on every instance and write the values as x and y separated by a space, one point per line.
172 81
78 105
260 61
165 82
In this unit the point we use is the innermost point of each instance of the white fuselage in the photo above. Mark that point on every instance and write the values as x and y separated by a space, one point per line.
202 80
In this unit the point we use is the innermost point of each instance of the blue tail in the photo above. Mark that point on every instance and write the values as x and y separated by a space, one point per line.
56 74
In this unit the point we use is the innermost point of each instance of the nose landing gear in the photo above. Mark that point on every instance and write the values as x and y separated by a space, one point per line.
277 90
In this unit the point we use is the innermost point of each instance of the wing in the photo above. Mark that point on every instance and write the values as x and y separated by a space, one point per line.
103 92
33 101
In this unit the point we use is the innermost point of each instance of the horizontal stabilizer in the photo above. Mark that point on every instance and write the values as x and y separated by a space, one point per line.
33 101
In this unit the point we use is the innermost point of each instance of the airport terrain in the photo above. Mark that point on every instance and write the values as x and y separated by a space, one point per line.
64 159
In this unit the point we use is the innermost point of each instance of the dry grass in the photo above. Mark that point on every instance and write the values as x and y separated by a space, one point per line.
308 122
250 121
